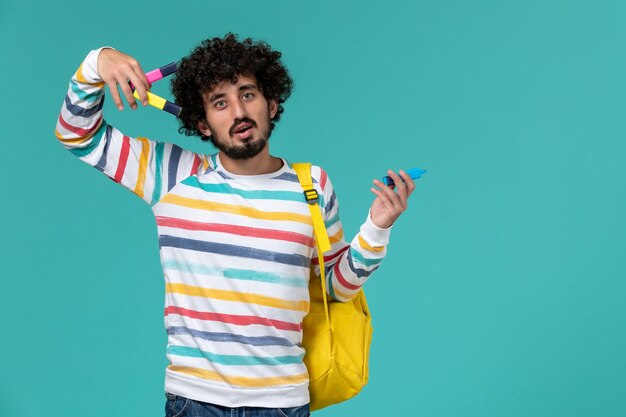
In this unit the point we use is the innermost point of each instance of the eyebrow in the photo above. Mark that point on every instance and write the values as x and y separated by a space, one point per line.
215 97
242 88
248 87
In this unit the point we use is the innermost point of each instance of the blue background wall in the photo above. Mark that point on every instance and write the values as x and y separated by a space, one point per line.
503 292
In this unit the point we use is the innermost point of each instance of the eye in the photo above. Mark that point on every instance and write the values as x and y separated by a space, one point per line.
247 96
220 104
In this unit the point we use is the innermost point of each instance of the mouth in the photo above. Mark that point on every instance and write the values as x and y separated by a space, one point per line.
243 130
243 127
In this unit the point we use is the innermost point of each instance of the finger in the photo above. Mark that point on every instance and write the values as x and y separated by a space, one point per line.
139 88
140 73
389 193
402 192
128 93
405 190
141 82
410 184
115 95
383 198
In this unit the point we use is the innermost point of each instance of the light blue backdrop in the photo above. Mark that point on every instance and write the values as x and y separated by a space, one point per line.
503 292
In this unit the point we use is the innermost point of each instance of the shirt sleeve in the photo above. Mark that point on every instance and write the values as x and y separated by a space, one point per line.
147 168
347 265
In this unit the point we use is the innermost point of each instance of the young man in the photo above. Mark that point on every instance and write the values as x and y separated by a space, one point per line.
235 233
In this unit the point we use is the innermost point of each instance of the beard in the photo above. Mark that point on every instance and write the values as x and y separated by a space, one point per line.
247 150
250 147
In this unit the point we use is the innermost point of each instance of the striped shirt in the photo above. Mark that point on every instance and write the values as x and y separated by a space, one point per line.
236 252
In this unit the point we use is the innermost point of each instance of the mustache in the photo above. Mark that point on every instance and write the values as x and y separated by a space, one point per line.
238 122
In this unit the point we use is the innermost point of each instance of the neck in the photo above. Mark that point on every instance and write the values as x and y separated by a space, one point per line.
263 163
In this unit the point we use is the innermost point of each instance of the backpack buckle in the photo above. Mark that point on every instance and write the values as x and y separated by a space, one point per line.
311 196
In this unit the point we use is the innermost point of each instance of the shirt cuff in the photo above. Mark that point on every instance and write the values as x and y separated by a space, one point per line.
374 235
90 65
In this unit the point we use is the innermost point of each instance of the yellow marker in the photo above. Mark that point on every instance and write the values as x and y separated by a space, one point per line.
161 103
153 100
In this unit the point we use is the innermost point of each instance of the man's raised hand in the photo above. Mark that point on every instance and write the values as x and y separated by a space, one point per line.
116 69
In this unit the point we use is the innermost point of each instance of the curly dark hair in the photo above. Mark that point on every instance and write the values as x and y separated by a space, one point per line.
219 59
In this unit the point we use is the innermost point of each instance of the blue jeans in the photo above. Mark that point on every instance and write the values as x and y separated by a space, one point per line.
177 406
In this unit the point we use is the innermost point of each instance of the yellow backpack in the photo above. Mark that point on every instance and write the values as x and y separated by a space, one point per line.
336 335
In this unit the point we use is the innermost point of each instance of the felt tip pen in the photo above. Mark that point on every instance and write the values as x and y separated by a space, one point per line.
414 173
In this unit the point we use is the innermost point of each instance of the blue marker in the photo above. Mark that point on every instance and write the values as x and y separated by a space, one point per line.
414 173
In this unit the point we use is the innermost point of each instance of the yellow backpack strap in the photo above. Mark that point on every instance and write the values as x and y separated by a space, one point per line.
303 170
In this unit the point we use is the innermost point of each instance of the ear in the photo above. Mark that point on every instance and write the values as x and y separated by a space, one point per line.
273 108
203 127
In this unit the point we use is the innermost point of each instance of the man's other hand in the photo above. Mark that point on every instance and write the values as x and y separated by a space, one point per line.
390 202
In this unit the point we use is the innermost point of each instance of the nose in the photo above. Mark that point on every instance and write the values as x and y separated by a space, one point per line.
238 109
